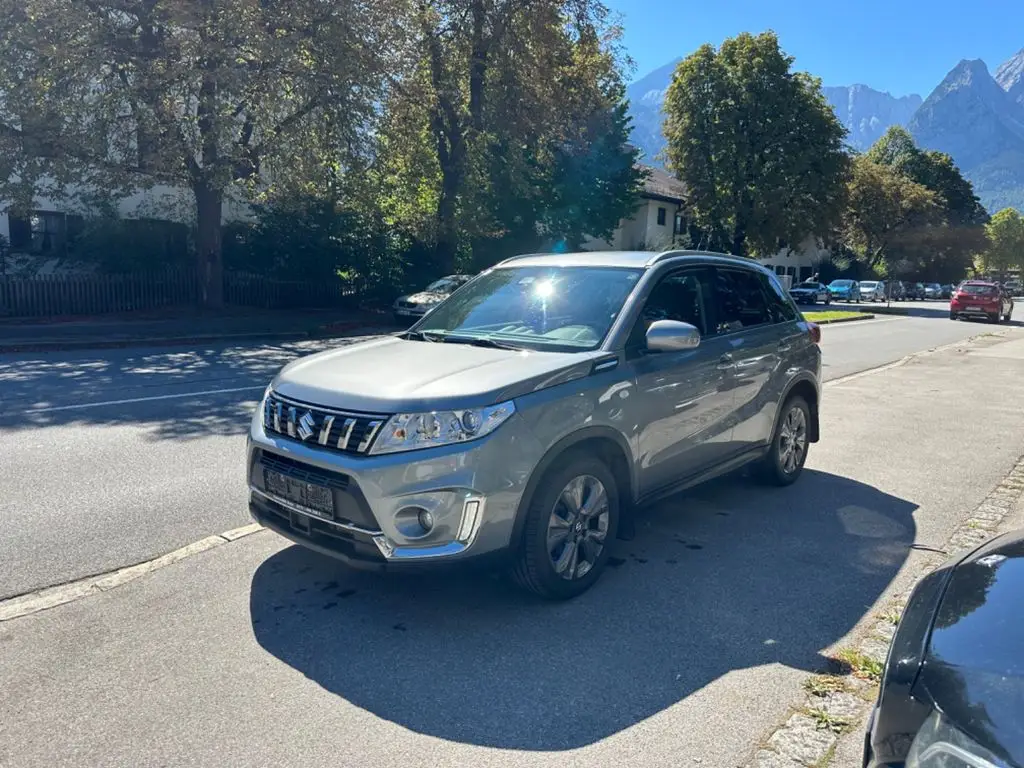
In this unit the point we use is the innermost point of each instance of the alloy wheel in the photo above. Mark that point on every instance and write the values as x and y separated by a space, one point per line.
578 527
793 440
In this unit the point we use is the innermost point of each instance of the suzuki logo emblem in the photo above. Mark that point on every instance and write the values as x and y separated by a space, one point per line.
306 426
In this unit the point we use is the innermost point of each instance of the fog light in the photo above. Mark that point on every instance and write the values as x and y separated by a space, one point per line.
426 520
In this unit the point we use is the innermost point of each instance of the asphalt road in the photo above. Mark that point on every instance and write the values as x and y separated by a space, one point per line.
686 653
116 456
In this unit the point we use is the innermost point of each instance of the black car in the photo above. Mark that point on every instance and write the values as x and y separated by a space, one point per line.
810 292
913 291
953 687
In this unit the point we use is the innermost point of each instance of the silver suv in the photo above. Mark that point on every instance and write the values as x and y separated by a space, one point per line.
529 413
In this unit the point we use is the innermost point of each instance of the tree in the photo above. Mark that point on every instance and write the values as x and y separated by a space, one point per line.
961 234
521 103
888 217
758 146
224 98
1005 242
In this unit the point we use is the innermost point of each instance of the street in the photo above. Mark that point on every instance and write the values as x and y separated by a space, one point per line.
260 653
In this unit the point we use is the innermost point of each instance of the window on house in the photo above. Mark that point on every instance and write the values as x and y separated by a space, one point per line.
679 226
661 217
43 232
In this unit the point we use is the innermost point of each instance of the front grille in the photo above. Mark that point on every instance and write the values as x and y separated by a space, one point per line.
406 304
340 431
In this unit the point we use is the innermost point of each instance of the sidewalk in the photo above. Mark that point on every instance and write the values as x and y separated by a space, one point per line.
689 652
180 326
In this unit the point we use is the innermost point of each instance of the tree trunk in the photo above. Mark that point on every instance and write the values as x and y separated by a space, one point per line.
209 207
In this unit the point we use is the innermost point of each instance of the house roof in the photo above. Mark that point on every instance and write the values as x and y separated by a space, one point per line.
662 185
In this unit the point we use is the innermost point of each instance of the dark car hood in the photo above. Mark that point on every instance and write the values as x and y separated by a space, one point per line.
974 667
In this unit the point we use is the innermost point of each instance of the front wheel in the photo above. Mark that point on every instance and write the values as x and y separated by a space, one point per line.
572 520
994 319
785 459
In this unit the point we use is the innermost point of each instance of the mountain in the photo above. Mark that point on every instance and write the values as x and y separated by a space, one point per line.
1010 77
979 120
865 112
868 113
645 99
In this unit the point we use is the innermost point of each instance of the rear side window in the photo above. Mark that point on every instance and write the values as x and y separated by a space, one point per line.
779 304
739 300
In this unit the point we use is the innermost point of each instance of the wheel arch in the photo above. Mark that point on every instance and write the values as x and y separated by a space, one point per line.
808 389
612 447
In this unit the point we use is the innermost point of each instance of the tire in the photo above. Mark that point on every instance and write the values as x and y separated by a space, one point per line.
772 469
994 319
952 316
535 568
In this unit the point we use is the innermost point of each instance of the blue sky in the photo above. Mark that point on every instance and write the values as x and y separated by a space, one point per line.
896 46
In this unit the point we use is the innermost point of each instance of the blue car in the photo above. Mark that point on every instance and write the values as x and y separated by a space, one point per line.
844 290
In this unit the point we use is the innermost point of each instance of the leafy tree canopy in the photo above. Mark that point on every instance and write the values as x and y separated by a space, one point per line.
1005 242
758 146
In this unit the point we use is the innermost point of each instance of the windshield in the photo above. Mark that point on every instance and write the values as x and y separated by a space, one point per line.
547 308
841 283
869 284
445 285
935 286
978 290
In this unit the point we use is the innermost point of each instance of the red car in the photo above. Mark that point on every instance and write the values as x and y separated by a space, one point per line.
978 298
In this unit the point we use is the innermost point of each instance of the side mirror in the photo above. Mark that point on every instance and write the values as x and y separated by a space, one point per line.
672 336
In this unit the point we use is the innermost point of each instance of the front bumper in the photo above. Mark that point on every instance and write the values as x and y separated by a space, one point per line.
472 491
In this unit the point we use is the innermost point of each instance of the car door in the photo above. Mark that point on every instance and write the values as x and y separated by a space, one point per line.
684 398
757 343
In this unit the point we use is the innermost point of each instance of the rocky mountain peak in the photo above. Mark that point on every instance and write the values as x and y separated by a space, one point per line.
1010 77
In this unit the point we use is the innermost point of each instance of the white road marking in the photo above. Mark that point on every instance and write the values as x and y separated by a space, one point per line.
150 398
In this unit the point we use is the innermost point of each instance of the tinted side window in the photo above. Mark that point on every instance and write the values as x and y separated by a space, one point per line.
678 296
739 301
779 304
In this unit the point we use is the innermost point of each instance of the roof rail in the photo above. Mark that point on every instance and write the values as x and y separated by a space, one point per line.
523 256
673 254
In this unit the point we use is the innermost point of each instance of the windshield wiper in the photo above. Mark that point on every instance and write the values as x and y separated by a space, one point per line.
421 336
480 341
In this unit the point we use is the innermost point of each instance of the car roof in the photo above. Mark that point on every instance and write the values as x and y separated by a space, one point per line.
634 259
979 282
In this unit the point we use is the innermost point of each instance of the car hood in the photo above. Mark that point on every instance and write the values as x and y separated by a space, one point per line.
974 668
424 297
393 374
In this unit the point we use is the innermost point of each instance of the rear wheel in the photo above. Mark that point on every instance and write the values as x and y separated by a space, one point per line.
785 458
952 316
994 318
572 520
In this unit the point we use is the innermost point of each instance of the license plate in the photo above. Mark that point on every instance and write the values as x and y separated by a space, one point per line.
316 499
974 309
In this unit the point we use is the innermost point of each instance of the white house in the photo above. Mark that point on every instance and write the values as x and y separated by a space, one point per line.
657 222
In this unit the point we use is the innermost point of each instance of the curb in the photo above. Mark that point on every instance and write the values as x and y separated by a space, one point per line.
838 702
51 597
864 316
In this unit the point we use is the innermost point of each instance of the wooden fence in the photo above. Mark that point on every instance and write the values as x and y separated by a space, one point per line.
55 295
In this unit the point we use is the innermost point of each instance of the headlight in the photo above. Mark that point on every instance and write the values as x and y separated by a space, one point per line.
410 431
940 745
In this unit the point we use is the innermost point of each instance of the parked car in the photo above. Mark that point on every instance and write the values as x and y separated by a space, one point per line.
932 291
524 416
895 290
872 290
810 292
1015 288
952 688
844 290
912 291
411 307
976 299
947 291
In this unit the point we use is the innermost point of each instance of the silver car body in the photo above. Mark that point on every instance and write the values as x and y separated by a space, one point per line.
663 421
871 290
414 305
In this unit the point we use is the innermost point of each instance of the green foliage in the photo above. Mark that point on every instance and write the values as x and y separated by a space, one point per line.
912 214
131 245
203 94
757 145
1005 242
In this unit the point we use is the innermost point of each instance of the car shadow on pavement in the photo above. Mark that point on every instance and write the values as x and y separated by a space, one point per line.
722 578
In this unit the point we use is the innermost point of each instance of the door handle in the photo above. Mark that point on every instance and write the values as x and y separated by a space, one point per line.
784 346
